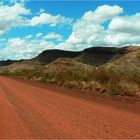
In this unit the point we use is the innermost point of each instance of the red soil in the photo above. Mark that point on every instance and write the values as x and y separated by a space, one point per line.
32 111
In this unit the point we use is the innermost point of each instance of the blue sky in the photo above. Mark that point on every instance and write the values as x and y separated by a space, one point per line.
74 9
29 27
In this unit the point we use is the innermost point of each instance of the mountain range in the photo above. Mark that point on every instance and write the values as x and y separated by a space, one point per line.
99 69
95 56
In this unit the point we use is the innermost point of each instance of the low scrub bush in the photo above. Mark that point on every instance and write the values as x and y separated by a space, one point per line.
123 89
114 79
71 84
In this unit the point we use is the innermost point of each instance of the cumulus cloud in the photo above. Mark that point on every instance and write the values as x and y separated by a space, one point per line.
18 48
38 35
28 46
11 16
103 13
15 15
28 36
54 36
3 42
90 31
41 10
126 24
52 20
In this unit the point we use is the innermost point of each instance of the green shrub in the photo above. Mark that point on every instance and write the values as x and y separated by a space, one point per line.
115 79
122 88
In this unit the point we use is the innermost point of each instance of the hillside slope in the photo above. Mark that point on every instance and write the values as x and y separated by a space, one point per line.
95 56
103 70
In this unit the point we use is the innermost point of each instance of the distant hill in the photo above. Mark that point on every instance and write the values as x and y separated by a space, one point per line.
49 56
9 62
99 69
95 56
127 56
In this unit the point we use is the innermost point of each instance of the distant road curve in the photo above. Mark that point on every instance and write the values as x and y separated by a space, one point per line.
31 111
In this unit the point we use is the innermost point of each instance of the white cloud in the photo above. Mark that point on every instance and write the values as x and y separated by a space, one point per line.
3 42
38 35
16 16
11 16
18 48
126 24
103 13
52 20
55 36
41 10
28 36
90 30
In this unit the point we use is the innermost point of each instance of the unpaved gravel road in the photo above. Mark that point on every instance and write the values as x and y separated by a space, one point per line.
31 111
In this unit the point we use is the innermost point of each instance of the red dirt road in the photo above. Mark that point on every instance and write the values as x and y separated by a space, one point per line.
30 111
